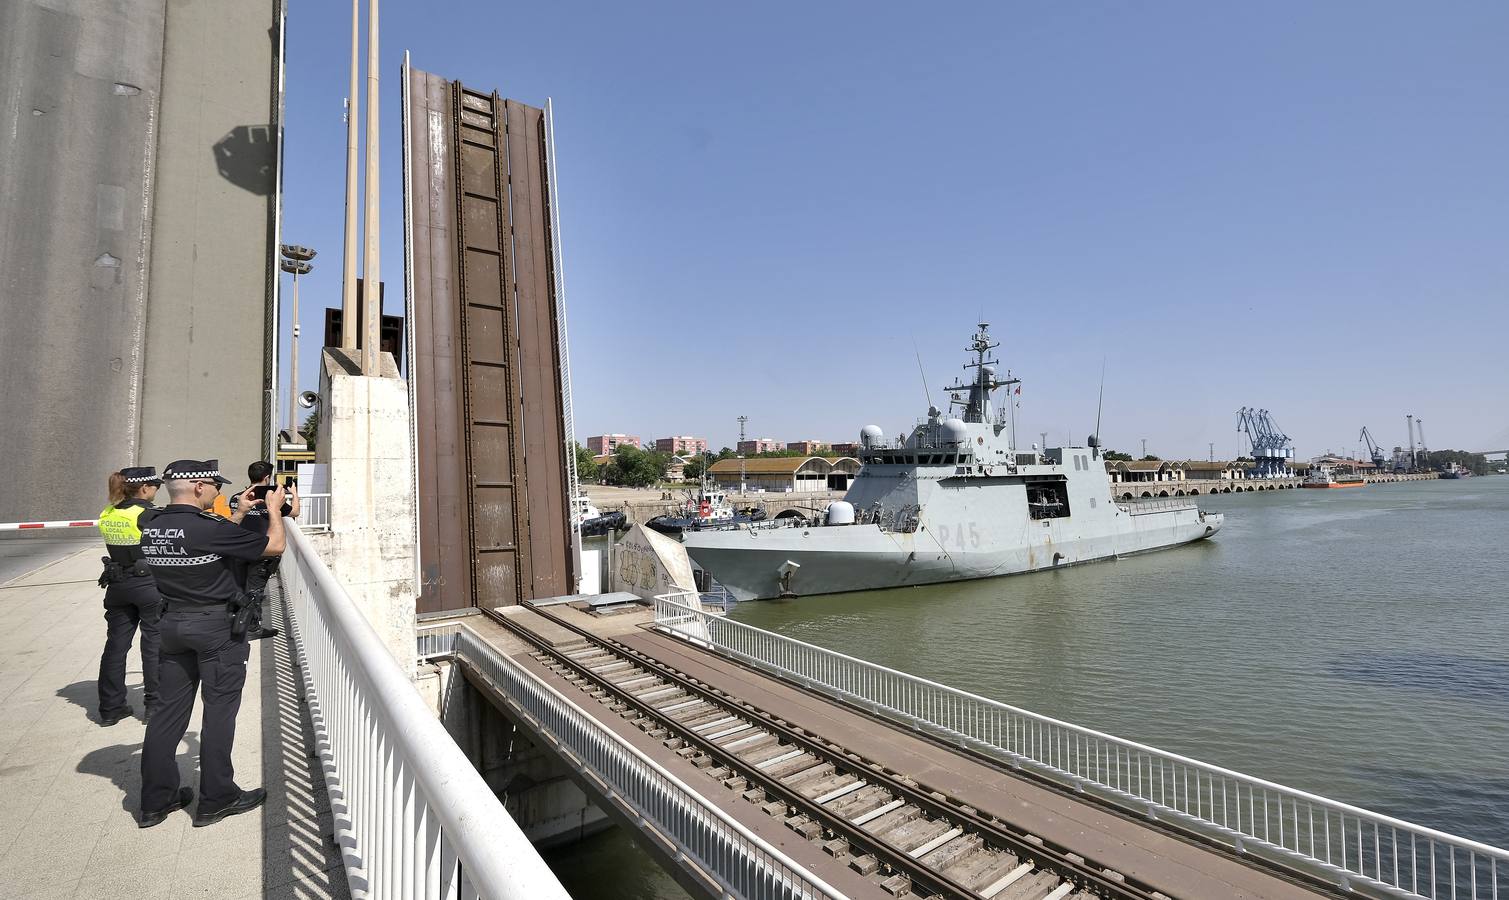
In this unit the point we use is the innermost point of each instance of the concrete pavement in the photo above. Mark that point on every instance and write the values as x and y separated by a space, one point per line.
69 788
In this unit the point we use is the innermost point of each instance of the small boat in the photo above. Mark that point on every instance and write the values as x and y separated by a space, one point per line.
706 510
1326 477
591 522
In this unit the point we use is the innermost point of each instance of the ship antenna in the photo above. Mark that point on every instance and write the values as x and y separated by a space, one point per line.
927 395
1100 402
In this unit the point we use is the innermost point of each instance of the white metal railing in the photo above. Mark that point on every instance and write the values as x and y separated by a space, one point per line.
1162 504
1347 843
314 512
742 863
412 816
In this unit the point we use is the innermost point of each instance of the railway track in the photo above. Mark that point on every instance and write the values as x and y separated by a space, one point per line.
906 839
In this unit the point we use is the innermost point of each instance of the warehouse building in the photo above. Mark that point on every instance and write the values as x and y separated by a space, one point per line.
787 474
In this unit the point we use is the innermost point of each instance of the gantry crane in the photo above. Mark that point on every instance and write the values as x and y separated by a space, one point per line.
1374 450
1271 452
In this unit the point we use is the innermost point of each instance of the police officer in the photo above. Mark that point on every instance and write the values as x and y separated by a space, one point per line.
131 599
253 517
199 560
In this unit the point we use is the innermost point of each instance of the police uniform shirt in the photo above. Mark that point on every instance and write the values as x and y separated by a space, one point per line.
122 538
256 517
119 531
198 557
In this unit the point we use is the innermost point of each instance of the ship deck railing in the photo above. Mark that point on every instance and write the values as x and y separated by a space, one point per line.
413 818
1161 504
1354 848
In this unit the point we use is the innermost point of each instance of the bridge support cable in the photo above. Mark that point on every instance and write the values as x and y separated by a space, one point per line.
1343 845
413 818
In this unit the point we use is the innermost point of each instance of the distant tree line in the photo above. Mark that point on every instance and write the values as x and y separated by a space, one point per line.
1476 463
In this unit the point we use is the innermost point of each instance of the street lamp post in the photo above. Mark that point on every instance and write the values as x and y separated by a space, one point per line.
295 262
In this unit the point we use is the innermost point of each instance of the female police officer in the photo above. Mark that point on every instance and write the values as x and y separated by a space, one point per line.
131 599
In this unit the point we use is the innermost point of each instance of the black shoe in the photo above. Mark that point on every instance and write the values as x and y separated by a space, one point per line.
148 819
264 634
113 716
248 801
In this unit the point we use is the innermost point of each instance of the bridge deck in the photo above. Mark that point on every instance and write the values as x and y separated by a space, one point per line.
69 789
1177 867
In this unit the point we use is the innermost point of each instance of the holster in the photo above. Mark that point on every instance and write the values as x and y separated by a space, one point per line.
112 574
246 614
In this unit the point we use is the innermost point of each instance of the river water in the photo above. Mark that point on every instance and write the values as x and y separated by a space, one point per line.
1353 643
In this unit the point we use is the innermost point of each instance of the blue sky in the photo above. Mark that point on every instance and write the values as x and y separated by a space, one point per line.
1296 206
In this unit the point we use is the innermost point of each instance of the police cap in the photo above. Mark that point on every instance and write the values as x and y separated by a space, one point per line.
141 475
195 470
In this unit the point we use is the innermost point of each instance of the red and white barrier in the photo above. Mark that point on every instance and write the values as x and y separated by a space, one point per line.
25 526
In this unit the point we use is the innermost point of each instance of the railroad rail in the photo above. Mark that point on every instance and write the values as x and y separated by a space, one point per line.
1304 835
890 829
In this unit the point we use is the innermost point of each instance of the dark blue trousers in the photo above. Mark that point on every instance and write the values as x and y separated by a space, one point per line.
127 608
198 654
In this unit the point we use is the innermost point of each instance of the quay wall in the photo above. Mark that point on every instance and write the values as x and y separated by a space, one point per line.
1198 487
643 508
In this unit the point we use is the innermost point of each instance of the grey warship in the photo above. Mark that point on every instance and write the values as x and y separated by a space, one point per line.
951 501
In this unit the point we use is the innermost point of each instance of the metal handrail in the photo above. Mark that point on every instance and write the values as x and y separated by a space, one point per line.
1335 839
743 863
1138 507
314 513
412 816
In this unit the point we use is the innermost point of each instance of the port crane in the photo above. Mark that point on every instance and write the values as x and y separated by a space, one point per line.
1424 450
1374 450
1271 451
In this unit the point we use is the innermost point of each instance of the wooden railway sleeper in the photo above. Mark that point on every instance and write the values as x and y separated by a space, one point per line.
906 874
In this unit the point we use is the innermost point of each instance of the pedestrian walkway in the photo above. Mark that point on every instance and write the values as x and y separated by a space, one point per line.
69 789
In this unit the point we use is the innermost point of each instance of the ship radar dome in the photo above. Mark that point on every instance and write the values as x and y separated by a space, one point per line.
870 436
954 431
840 512
989 372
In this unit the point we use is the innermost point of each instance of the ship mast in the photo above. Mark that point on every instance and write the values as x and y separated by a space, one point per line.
978 407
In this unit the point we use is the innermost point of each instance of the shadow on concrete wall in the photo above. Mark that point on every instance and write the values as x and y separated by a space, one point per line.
245 158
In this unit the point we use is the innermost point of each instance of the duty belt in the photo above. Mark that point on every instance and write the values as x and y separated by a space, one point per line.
174 606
